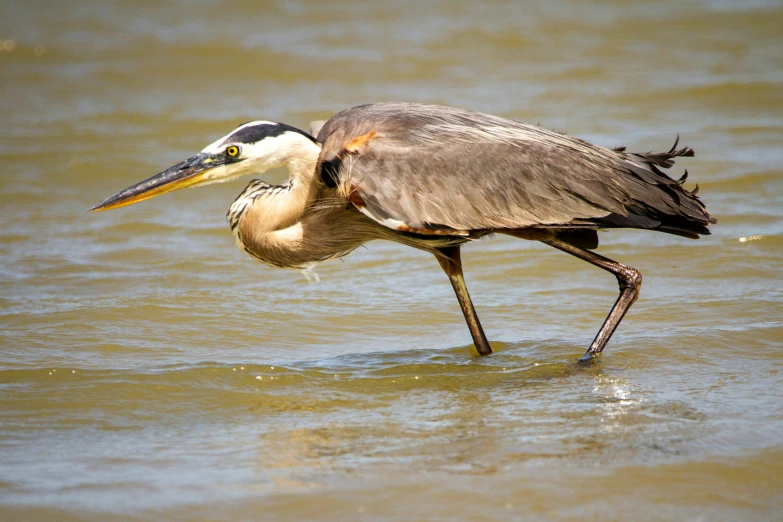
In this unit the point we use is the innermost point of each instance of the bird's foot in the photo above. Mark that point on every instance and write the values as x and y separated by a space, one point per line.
587 359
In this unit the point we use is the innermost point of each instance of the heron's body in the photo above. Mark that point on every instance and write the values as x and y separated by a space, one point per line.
434 178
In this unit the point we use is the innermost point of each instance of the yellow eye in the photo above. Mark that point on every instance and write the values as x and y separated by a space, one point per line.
232 151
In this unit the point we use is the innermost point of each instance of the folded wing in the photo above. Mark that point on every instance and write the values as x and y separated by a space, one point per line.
440 170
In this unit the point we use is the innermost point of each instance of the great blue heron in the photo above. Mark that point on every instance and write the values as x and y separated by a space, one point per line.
434 178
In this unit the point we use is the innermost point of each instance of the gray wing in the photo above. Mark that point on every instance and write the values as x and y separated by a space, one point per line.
441 170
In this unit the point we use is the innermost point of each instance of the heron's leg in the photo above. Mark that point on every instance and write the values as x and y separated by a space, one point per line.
630 281
451 263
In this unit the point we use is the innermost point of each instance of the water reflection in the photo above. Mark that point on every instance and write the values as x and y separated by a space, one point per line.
618 399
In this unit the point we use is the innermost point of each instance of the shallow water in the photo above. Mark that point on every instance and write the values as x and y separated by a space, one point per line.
149 369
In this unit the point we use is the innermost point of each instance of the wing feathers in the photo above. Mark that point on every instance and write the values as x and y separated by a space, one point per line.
444 169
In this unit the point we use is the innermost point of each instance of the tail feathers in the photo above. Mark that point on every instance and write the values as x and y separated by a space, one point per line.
685 213
652 201
664 160
692 233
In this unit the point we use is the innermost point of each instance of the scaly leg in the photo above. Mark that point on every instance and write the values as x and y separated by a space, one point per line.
451 263
630 281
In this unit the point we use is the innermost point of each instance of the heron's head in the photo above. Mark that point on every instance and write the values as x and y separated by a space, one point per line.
252 148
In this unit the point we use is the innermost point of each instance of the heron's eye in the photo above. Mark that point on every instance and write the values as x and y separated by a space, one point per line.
232 151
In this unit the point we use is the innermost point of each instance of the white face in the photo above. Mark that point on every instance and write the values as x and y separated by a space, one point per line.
252 148
272 150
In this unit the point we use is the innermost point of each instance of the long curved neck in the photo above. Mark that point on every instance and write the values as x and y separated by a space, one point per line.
284 205
277 207
288 225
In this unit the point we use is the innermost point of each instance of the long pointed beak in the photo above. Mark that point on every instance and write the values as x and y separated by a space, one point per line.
188 173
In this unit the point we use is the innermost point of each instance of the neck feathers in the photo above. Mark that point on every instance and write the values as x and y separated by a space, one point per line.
262 208
283 205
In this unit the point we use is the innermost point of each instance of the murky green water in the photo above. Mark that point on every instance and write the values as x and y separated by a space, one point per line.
150 369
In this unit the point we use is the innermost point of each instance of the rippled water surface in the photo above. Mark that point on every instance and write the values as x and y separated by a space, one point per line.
149 369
